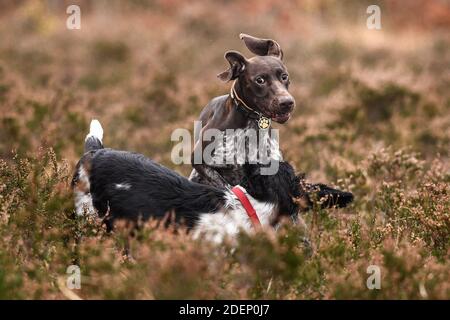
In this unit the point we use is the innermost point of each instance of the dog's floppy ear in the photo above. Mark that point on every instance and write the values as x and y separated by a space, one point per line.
262 47
237 65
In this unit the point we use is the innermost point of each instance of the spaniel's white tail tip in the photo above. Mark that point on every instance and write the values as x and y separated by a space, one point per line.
94 140
95 130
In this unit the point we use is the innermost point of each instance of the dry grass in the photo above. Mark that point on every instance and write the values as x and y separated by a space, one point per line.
373 116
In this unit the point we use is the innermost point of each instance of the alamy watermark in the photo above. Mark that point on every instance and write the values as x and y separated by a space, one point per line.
73 22
374 280
373 22
73 280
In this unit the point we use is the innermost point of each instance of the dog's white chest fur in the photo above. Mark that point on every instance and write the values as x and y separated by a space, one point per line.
233 218
83 199
246 145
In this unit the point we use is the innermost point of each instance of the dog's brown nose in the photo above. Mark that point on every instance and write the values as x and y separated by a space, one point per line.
286 105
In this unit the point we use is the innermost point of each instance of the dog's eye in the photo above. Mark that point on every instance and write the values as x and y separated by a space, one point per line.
284 77
260 80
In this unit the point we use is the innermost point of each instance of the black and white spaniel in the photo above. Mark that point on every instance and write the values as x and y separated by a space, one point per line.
124 185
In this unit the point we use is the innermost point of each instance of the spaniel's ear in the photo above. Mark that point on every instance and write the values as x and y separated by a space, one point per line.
237 65
262 47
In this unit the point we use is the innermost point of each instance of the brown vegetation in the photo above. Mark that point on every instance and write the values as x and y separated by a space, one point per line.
373 116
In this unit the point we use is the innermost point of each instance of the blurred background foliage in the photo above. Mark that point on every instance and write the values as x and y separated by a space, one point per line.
372 116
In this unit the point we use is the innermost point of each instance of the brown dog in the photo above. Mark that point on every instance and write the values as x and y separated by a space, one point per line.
258 96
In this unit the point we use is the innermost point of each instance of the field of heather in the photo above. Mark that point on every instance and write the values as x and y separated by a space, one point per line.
372 117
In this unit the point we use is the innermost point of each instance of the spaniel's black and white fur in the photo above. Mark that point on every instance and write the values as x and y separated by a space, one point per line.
124 185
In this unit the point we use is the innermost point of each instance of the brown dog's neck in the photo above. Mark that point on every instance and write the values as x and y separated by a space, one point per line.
241 99
254 115
238 88
237 117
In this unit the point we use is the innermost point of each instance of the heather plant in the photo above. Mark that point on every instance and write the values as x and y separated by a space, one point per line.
372 117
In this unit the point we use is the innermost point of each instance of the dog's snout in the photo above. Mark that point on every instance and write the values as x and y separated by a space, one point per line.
286 104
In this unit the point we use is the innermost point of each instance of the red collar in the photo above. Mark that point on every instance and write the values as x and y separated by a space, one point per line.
247 206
